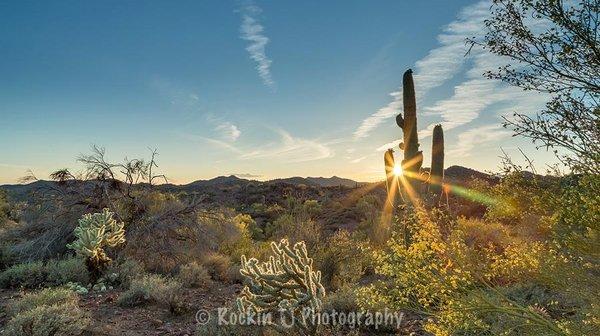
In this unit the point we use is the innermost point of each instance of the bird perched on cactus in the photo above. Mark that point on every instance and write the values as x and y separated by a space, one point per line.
287 282
413 158
94 233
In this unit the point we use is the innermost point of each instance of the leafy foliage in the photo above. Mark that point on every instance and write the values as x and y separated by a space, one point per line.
554 46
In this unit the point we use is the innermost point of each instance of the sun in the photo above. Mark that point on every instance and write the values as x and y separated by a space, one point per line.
397 170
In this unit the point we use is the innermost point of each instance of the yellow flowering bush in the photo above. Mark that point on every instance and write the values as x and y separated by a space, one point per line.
470 276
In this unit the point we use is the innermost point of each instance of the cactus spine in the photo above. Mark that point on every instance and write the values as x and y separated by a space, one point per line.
287 282
413 158
437 160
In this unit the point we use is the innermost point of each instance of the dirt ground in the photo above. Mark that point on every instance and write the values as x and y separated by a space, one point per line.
110 319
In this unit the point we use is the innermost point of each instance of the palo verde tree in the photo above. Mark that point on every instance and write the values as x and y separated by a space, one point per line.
552 46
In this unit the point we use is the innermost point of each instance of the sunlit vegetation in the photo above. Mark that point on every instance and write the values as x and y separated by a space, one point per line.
513 253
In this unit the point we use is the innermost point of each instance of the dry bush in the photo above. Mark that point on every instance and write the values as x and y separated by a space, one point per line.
63 319
480 235
46 227
47 312
217 266
166 237
44 297
194 275
342 300
234 275
153 288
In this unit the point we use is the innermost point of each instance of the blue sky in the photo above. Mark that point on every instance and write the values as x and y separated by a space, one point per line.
260 89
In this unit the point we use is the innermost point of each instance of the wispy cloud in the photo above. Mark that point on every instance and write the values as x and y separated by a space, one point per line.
475 94
440 64
476 137
388 145
378 117
292 149
211 141
288 149
253 32
229 131
178 96
359 159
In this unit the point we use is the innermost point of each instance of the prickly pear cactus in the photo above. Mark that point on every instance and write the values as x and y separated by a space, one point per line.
94 233
286 284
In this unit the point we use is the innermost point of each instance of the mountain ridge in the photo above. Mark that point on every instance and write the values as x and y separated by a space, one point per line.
451 172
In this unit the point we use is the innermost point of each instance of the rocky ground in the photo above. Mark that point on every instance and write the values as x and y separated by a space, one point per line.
110 319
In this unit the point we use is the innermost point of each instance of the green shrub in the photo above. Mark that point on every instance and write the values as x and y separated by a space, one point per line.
61 272
576 224
54 320
343 300
38 274
44 297
231 232
194 275
342 262
126 270
5 257
27 275
153 288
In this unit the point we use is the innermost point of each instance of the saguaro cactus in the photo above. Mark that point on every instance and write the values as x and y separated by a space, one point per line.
287 282
437 160
413 158
390 178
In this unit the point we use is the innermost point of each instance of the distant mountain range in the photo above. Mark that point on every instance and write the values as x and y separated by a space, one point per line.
236 192
453 173
333 181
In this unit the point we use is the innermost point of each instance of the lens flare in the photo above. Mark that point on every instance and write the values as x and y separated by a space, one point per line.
397 170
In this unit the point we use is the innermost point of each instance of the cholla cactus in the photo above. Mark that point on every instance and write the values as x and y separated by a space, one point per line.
287 283
94 233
